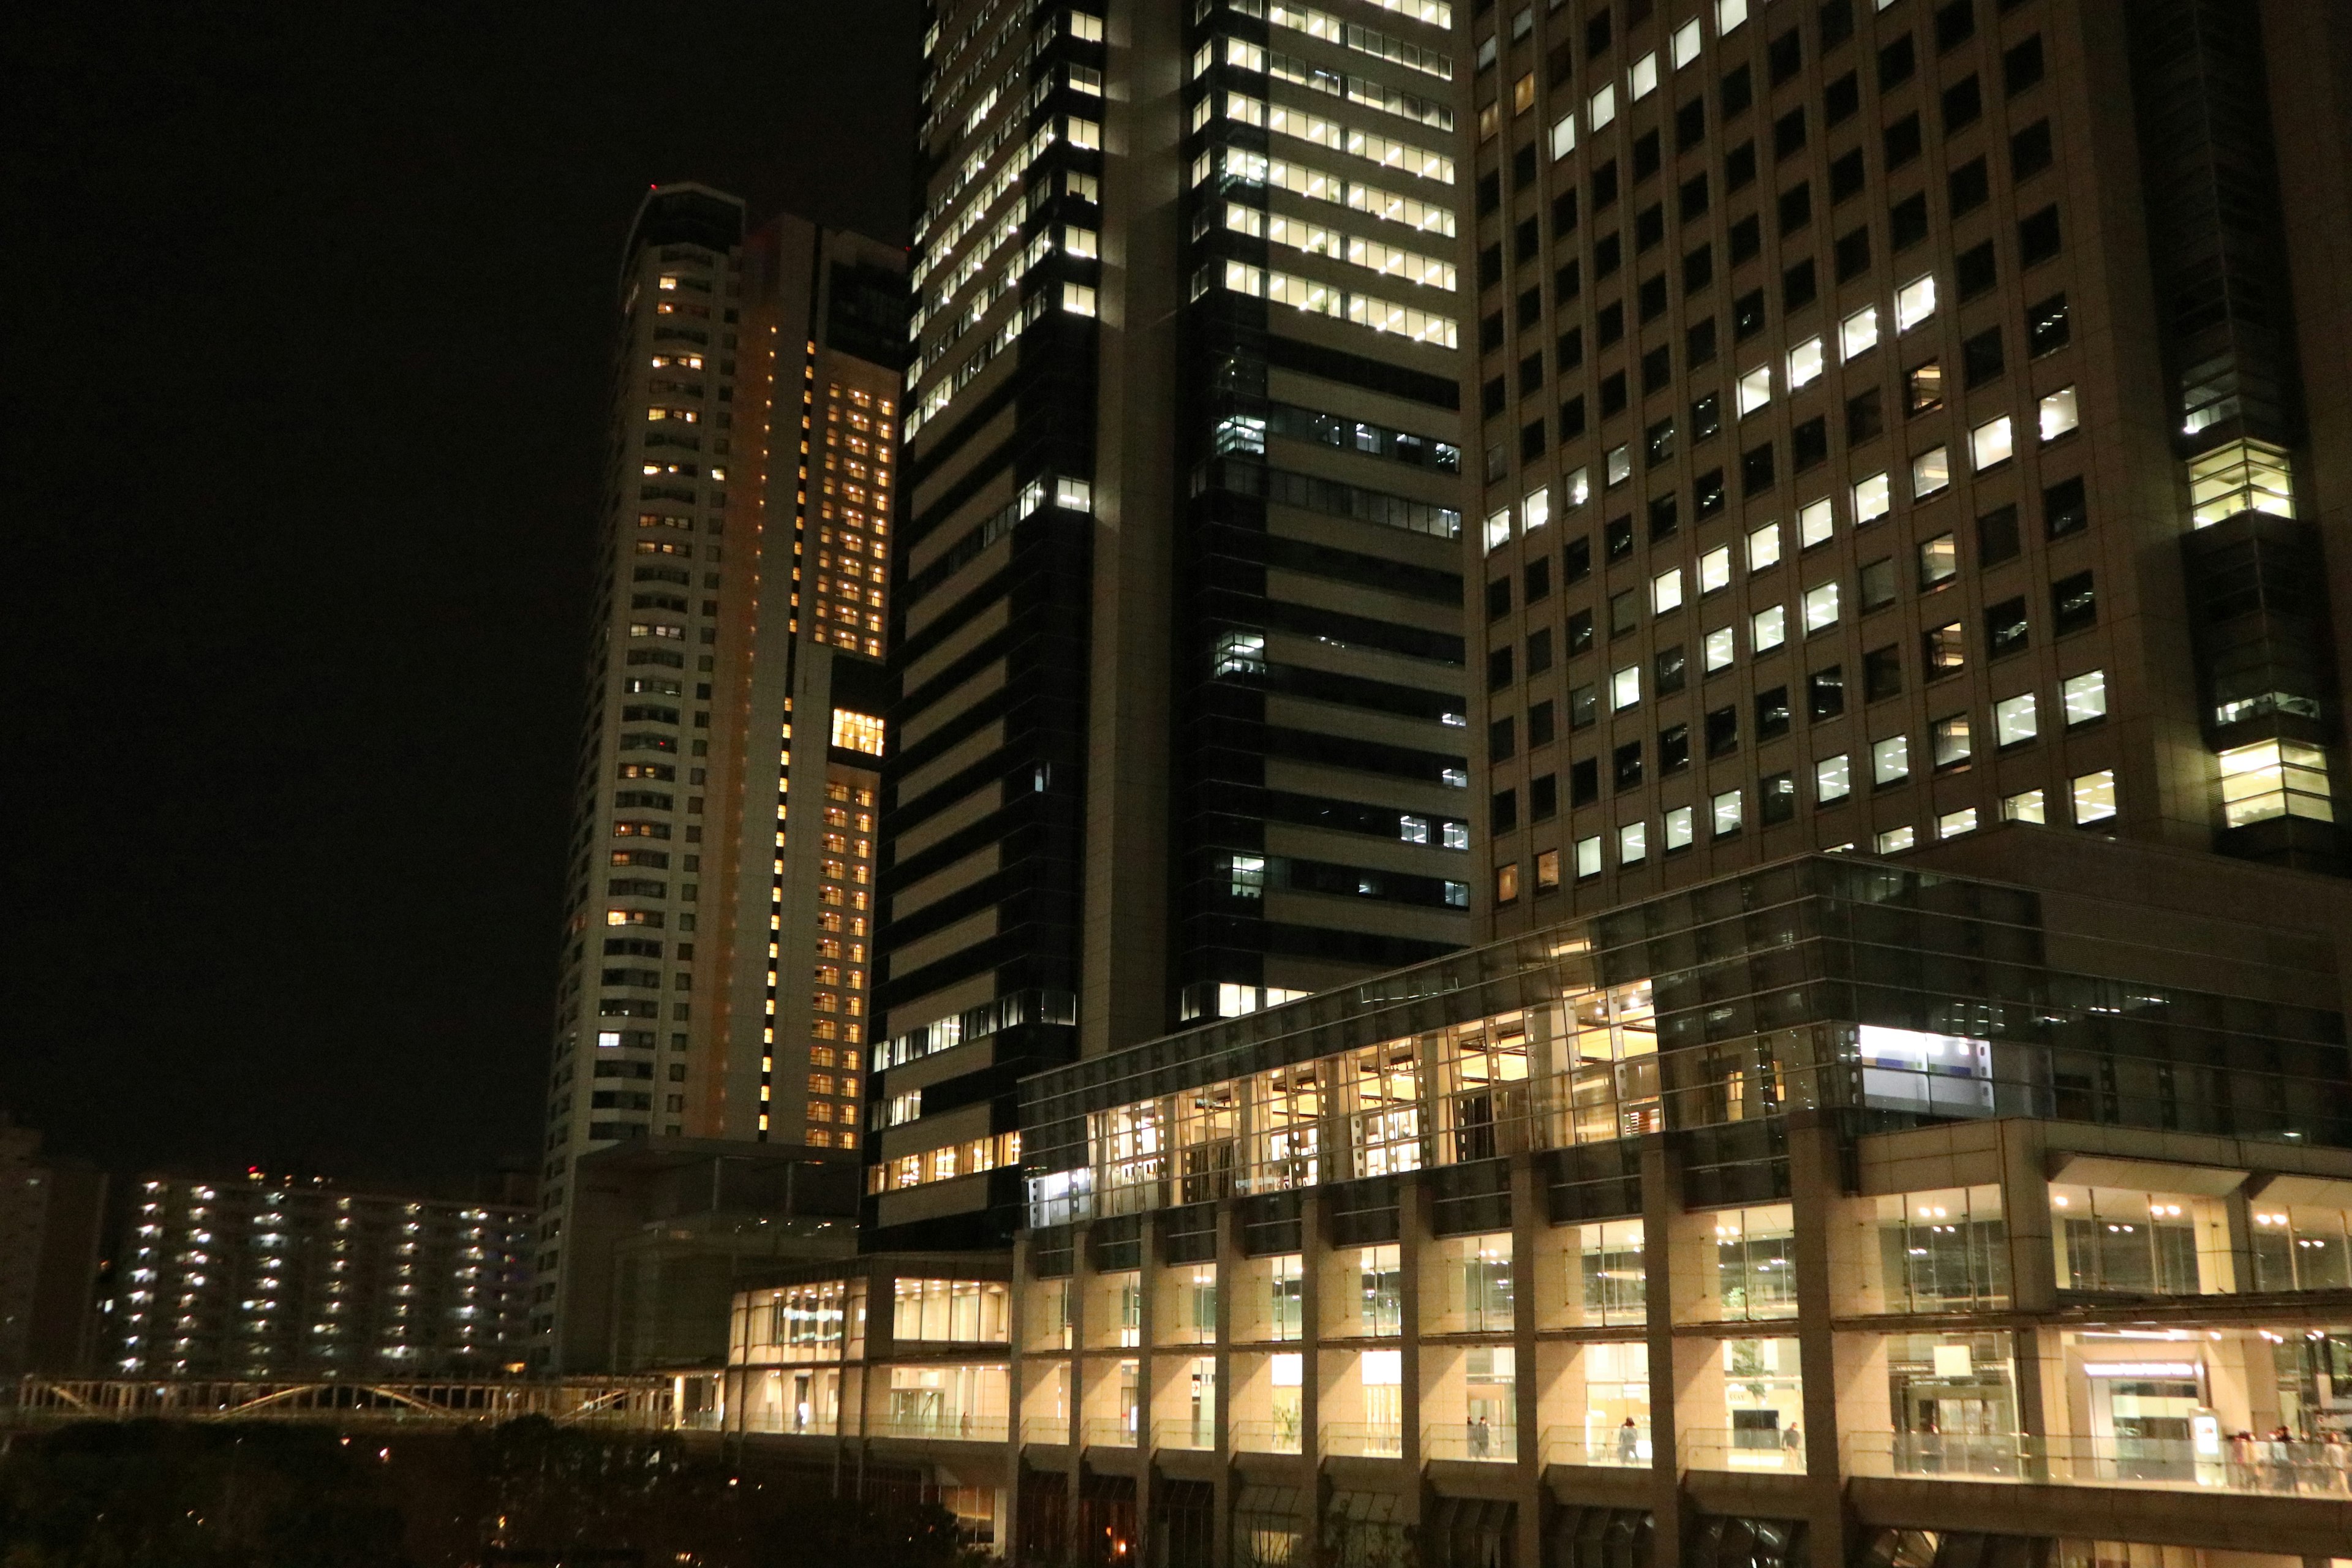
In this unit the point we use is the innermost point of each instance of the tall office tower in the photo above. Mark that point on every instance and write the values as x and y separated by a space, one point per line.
1182 721
718 935
256 1278
51 1211
1903 417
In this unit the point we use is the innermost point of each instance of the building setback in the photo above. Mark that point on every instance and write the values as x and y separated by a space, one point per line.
1180 720
1900 418
718 935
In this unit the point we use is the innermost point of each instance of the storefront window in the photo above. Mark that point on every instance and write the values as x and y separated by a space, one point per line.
1380 1272
1478 1285
1616 1404
2154 1244
1762 1396
2299 1247
1944 1250
969 1311
1755 1262
1954 1403
1612 1276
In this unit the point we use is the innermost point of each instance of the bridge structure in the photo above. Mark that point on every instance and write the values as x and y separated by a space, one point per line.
628 1404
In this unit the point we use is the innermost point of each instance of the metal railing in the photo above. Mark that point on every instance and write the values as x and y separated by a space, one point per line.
1110 1432
1185 1434
1377 1440
1053 1431
1738 1450
1266 1436
2250 1465
1619 1447
1470 1440
643 1403
942 1428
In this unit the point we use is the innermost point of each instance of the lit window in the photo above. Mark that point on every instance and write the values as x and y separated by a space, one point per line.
1632 843
2272 778
1498 529
2059 414
857 732
1644 78
2244 476
1413 830
1858 333
1755 389
1666 590
1080 241
1890 760
1729 14
1951 741
2094 794
1563 136
1090 28
2015 721
1895 840
1815 525
1086 132
1768 628
1833 779
1685 44
1726 812
1931 472
1547 870
1952 824
1715 650
1620 465
1507 883
1603 108
1588 855
1805 361
1248 881
1681 828
1991 444
1764 547
1915 302
1821 607
1715 570
1873 499
1576 489
1078 298
2085 695
1625 688
1535 511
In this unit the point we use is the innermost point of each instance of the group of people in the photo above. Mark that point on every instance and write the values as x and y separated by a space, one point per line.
2284 1462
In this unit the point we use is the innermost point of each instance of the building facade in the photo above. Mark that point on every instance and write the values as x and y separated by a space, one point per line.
719 937
52 1215
1180 721
1901 418
254 1278
1836 1212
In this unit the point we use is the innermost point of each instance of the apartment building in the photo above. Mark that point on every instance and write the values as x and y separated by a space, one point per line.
1180 723
717 942
52 1213
1901 418
259 1277
1838 1211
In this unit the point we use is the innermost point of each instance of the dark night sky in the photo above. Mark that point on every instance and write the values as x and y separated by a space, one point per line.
307 314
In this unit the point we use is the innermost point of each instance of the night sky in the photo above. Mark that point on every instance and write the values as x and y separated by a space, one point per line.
309 310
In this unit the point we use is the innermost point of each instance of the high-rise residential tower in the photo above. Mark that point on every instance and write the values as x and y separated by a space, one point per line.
719 931
1901 418
1181 727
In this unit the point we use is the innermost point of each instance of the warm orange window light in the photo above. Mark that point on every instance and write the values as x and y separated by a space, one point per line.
857 732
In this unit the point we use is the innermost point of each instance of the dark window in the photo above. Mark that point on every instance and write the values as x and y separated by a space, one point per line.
1747 239
1503 811
1776 798
1499 671
1502 743
1673 749
1596 32
1608 325
1539 725
2021 68
1559 64
1613 396
1651 298
1531 440
1846 179
1772 717
1799 285
1575 565
1690 125
1882 673
1738 92
1568 349
1490 333
1842 99
1922 388
1808 444
1706 493
1969 186
1563 214
2073 604
1997 539
1584 782
1658 442
1722 732
1543 798
1625 766
1878 584
2005 627
1906 221
1649 226
1538 583
1796 206
1531 374
1526 243
2030 151
1670 665
1789 133
1980 358
1963 104
1699 343
1490 191
1646 159
1571 418
2046 327
1707 416
1786 57
1956 24
1852 254
1665 517
1493 396
1498 601
1579 632
1693 199
1619 533
1490 266
1608 255
1740 167
2037 237
1658 365
1976 271
1756 473
1523 168
1866 417
1530 308
1897 62
1837 22
1605 185
2064 508
1748 314
1583 706
1903 141
1825 692
1568 282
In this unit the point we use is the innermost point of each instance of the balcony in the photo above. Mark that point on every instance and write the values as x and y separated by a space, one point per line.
1356 1439
1623 1449
1200 1435
1266 1437
1110 1431
942 1428
2254 1466
1473 1440
1744 1451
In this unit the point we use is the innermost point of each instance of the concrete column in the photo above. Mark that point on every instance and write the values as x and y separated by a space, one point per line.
1147 1412
2025 1215
1413 1197
1314 1238
1528 1226
1816 1186
1016 1387
1229 1274
1082 1290
1662 1211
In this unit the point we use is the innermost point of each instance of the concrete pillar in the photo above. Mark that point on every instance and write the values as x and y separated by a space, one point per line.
1229 1274
1147 1414
1016 1388
1082 1291
1815 1186
2025 1215
1662 1211
1528 1222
